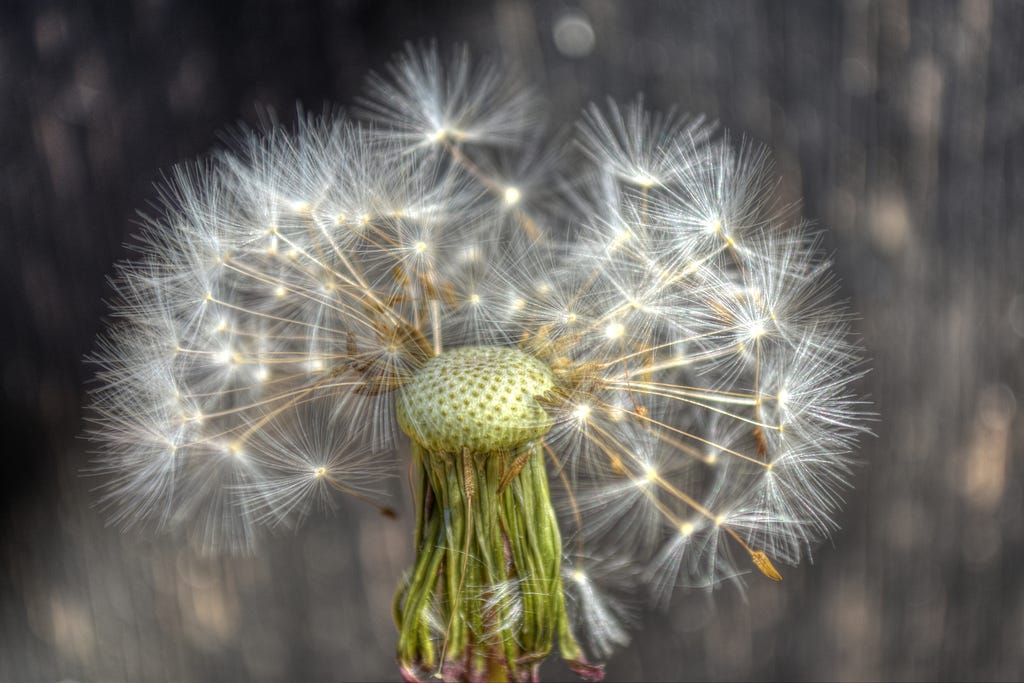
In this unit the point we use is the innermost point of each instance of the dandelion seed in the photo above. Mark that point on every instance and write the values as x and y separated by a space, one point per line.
512 195
637 403
615 330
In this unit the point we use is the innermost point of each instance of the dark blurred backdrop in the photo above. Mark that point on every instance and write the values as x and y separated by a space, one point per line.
900 123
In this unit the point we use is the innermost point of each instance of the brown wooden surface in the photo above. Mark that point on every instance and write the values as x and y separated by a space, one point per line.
902 126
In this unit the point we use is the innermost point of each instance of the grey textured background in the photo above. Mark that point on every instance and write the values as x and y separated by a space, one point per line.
900 123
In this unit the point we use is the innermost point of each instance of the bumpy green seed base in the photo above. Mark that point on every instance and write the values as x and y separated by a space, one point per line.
480 398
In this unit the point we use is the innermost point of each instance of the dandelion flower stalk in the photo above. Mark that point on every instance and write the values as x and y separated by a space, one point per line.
623 371
484 519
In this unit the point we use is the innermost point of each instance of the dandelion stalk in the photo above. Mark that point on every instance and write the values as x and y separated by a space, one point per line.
497 591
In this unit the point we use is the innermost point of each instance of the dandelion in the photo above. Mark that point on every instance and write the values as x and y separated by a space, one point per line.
630 372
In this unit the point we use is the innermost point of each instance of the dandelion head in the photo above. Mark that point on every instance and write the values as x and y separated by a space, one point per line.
632 382
481 399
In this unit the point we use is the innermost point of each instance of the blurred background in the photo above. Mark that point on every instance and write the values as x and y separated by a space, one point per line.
901 124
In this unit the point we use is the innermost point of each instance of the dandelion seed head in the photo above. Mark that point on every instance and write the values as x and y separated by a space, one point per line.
661 337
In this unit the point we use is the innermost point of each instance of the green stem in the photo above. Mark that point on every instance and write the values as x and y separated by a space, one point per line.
484 601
